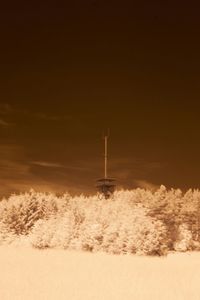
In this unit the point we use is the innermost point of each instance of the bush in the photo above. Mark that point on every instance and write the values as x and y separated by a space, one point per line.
184 241
109 226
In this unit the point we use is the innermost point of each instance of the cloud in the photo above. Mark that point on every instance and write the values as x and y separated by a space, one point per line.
144 184
46 164
4 123
12 162
47 117
7 109
16 174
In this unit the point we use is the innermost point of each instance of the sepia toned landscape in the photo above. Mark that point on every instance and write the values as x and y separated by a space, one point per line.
99 150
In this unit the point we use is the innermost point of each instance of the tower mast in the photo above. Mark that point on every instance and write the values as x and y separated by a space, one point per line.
106 185
106 157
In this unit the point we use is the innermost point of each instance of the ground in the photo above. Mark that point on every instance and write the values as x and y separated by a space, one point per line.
27 274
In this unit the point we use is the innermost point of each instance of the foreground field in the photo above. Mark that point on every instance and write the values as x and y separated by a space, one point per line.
27 274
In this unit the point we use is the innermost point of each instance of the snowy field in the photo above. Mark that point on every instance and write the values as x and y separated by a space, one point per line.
57 274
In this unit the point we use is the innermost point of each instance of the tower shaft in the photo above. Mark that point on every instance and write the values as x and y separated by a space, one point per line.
106 185
106 158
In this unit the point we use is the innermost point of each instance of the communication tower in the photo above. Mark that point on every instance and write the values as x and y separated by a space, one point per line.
106 186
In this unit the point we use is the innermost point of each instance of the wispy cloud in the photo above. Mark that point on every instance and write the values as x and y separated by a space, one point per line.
144 184
16 174
50 117
12 161
4 123
47 117
13 110
47 164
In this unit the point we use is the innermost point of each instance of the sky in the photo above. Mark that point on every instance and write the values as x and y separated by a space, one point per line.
69 71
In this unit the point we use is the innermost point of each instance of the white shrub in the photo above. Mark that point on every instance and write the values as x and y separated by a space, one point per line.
185 241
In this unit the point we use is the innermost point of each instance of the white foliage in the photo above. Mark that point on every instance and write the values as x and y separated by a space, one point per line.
133 221
110 226
185 241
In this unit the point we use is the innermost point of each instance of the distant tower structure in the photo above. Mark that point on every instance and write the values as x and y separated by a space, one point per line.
106 186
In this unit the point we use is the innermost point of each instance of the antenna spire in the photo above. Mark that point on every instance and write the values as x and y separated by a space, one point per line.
106 156
106 136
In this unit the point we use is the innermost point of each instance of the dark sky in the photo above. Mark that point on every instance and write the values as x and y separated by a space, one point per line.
70 71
